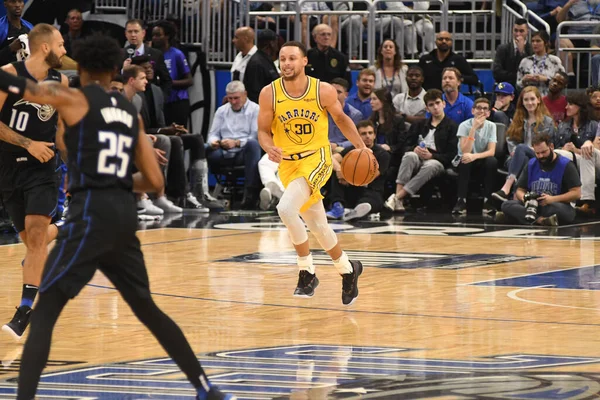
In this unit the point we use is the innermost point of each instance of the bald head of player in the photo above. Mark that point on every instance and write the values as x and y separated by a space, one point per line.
98 59
292 60
47 44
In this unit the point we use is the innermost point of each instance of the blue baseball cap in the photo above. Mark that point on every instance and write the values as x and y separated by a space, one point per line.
505 88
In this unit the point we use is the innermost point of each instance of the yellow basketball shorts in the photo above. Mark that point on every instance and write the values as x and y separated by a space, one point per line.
316 169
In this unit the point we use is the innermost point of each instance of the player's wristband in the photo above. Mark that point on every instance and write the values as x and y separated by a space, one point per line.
10 83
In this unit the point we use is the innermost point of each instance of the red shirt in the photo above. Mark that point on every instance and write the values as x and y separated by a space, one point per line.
556 107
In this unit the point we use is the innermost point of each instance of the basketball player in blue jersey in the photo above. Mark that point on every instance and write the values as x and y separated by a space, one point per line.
28 183
104 140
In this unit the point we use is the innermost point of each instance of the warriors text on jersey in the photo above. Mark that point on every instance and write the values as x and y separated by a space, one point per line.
300 124
101 147
32 120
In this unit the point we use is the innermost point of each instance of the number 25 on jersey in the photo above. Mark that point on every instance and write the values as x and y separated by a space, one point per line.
117 148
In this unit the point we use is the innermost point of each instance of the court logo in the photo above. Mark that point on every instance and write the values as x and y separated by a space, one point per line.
328 371
386 259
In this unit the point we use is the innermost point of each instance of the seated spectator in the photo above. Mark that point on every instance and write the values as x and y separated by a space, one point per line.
547 186
575 140
537 69
273 187
309 21
504 109
243 40
361 100
336 137
531 119
187 193
134 82
555 101
458 106
594 94
361 199
77 30
324 61
434 63
389 127
426 162
177 105
477 147
577 10
390 73
410 105
509 55
233 139
135 33
261 70
117 84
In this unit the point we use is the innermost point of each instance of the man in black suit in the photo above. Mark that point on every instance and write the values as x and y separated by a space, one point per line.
261 70
135 33
509 55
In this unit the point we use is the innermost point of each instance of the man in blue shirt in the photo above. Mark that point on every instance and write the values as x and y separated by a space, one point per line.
458 106
361 100
336 137
547 186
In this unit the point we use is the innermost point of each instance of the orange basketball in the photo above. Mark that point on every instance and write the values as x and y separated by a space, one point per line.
359 167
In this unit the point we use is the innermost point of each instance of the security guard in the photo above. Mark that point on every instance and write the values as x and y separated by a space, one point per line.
325 62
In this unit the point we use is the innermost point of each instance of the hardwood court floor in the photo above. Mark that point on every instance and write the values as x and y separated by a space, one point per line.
445 311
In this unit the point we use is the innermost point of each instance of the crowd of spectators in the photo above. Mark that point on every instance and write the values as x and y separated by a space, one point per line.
428 136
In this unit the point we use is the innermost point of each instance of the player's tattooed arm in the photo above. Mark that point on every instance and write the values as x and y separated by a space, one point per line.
40 150
9 136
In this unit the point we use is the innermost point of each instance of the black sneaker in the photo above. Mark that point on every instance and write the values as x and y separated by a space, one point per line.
16 327
350 283
307 283
460 207
500 196
216 394
488 207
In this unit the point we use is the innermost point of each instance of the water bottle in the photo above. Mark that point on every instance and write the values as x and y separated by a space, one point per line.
421 142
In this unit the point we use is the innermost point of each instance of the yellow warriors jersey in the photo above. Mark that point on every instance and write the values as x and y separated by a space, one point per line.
300 123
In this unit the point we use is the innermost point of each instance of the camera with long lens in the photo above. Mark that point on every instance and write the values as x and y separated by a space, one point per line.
531 206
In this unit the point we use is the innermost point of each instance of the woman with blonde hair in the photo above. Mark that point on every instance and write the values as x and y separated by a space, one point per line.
390 72
531 119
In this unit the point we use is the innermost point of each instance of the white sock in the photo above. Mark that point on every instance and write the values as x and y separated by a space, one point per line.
306 264
342 264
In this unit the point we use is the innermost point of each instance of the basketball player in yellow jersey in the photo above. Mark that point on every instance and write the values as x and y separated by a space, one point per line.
293 130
